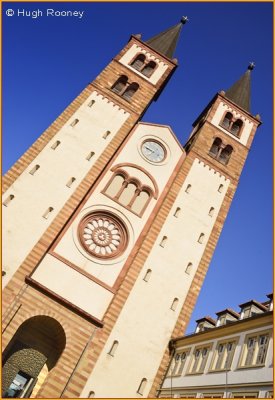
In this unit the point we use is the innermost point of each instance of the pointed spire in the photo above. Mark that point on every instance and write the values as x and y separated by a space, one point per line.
166 42
239 93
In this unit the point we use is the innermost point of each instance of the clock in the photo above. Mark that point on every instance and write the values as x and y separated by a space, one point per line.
153 151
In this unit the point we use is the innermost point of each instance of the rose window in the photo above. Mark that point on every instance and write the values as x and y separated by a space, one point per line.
102 235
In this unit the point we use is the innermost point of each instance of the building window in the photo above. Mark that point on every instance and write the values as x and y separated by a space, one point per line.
113 348
201 238
138 62
149 69
147 275
90 155
91 394
255 350
223 356
55 145
211 211
125 89
8 200
142 386
91 103
163 241
199 360
177 212
189 268
188 188
74 122
70 182
178 363
47 212
231 124
220 189
212 395
244 395
174 304
106 134
220 152
129 192
35 168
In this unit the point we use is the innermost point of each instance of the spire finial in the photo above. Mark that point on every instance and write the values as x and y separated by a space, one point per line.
251 65
184 20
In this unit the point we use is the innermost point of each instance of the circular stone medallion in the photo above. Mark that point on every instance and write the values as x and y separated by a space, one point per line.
102 235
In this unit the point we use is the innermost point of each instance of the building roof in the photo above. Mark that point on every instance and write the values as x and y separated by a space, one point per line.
253 302
208 319
228 311
166 41
239 92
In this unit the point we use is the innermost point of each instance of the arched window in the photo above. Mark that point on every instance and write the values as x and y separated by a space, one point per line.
138 62
220 189
115 186
177 212
47 212
225 154
147 275
74 122
70 182
188 188
211 212
142 386
106 134
189 268
140 201
149 68
55 145
128 193
91 394
227 120
8 200
174 304
163 241
90 155
91 103
113 348
120 84
216 147
130 91
201 238
34 169
236 127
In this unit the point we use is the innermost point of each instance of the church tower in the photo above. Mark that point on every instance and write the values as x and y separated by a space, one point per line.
119 224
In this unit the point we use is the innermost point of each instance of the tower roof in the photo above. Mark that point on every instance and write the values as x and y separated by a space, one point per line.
166 42
239 93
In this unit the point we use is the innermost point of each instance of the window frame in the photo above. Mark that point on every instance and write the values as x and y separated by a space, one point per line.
232 121
225 342
199 370
244 352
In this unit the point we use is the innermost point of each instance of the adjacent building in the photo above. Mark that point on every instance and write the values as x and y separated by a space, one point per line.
227 357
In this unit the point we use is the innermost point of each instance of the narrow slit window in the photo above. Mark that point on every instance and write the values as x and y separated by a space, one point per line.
142 386
113 348
201 238
91 394
106 134
163 241
47 212
90 155
35 168
147 275
188 188
174 304
189 268
92 102
211 212
177 212
55 145
70 182
8 200
76 121
220 189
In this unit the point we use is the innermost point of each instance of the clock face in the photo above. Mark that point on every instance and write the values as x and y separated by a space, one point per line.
153 151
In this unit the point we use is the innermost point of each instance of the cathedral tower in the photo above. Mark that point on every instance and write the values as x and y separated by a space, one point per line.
120 223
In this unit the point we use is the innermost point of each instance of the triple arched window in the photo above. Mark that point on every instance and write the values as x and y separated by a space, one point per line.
124 88
220 151
141 64
232 124
129 191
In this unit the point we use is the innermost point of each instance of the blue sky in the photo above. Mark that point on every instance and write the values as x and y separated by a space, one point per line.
49 60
